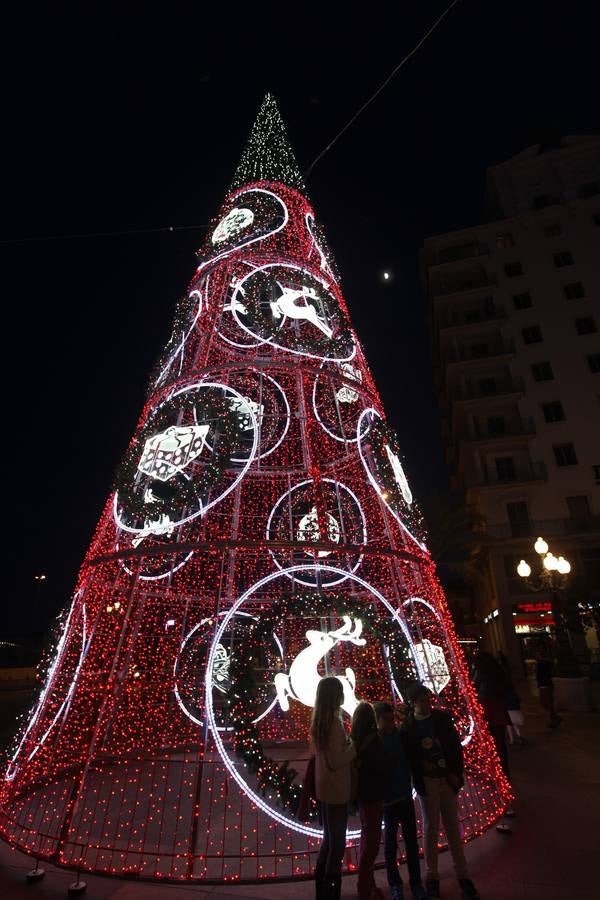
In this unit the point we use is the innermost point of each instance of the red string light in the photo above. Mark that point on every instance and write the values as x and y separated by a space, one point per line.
130 762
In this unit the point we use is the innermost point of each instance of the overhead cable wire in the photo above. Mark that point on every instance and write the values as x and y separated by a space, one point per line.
102 234
380 88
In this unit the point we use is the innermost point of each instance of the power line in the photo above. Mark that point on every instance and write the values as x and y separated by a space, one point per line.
380 88
102 234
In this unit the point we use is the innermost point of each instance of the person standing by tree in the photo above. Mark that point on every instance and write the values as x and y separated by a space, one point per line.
436 760
398 807
334 753
373 770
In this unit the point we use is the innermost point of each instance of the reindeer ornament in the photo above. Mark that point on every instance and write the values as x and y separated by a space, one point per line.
303 678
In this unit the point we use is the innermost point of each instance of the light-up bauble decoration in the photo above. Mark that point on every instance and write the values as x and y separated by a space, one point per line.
345 394
170 452
308 529
303 679
434 663
295 518
238 219
399 474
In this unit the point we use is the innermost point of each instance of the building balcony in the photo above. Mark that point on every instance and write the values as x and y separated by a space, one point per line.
466 283
521 474
448 255
470 317
546 527
476 432
496 387
478 352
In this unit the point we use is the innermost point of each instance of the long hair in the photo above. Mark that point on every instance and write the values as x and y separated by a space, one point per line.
363 723
330 696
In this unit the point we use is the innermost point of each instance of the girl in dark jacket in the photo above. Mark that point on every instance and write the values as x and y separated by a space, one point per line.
372 765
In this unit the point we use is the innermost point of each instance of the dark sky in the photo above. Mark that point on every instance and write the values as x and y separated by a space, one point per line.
136 120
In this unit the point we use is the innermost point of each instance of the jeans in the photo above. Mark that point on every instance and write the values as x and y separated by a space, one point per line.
370 837
440 799
334 817
401 813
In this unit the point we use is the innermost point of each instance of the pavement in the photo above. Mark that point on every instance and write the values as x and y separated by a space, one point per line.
552 852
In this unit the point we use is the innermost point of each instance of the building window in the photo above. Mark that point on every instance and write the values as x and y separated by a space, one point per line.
565 454
518 518
522 301
553 230
563 258
596 471
513 269
487 386
505 468
586 325
579 507
596 218
496 426
543 200
574 291
594 362
479 350
553 412
532 334
542 371
505 240
589 189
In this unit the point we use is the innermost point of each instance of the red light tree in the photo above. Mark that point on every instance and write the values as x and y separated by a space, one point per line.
261 533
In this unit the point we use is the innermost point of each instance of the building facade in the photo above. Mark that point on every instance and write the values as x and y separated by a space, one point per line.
514 307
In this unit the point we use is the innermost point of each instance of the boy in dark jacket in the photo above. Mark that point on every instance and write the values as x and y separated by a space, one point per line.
398 807
436 761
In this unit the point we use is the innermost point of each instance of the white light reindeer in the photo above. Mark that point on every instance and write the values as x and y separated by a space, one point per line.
286 305
303 678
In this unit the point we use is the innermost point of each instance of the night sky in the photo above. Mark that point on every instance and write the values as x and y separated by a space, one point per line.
137 121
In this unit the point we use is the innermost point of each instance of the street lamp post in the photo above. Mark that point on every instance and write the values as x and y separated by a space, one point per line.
553 577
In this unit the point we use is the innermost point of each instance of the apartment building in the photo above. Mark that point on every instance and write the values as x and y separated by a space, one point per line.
514 306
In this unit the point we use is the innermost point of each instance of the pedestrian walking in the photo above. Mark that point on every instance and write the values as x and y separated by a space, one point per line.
398 807
491 683
436 761
372 767
334 753
543 674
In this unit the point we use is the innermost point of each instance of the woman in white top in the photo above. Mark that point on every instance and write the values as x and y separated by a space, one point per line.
334 753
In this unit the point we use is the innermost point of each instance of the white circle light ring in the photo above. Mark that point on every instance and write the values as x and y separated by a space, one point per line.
203 507
187 712
270 340
467 739
257 799
338 549
378 490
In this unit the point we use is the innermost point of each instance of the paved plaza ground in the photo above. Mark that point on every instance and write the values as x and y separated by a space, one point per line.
553 852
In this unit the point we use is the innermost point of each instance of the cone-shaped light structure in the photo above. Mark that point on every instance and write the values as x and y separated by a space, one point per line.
261 531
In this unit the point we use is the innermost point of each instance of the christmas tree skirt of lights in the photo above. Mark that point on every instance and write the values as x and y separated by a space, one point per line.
261 533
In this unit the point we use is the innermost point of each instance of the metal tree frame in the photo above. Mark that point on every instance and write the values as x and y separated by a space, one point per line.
127 763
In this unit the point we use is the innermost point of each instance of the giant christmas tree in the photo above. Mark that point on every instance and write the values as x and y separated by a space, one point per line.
261 533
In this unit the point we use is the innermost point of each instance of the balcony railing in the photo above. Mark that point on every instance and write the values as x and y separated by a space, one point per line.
522 472
516 428
455 319
545 527
500 387
465 283
455 254
475 352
